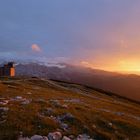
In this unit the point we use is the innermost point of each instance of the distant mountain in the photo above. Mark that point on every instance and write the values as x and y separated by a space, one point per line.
124 85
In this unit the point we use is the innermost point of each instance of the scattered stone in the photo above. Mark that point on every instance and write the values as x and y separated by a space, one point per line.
49 111
55 136
65 106
35 137
22 100
83 137
21 133
64 126
11 86
134 117
72 137
4 102
26 102
5 109
73 100
66 117
55 103
1 122
45 138
38 137
46 112
119 113
23 138
66 138
18 97
29 93
61 120
94 126
110 124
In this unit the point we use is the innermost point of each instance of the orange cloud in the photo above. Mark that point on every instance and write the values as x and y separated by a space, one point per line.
35 48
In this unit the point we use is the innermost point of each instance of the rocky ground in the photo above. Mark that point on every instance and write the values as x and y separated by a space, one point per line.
39 109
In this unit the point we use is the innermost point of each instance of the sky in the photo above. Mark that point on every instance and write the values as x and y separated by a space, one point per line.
102 34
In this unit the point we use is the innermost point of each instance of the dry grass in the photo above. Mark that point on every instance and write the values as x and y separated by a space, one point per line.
97 114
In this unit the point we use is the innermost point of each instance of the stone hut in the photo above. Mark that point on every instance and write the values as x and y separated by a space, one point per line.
8 69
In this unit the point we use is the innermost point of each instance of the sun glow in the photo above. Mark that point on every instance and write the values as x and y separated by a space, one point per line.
123 66
130 66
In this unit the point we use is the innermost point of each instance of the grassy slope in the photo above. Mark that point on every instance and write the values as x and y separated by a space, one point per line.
96 114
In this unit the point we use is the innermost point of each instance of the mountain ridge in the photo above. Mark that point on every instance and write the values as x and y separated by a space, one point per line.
126 85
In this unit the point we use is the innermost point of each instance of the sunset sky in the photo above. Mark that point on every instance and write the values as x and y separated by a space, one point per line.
103 34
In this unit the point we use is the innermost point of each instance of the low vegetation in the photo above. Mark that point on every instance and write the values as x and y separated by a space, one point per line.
36 106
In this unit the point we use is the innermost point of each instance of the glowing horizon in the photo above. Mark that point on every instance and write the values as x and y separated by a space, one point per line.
123 66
